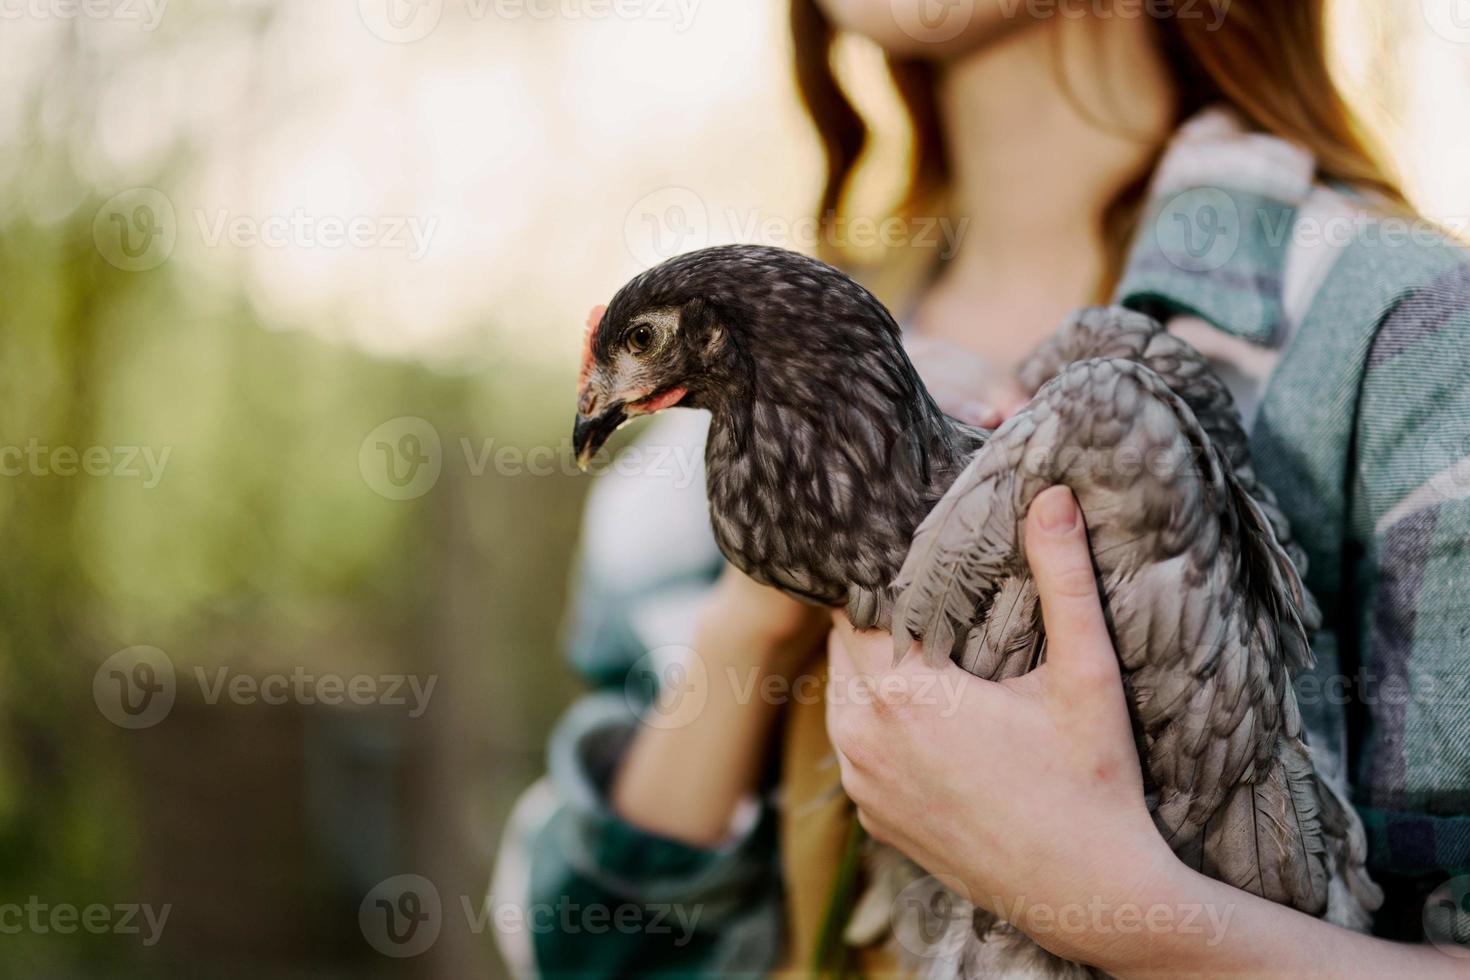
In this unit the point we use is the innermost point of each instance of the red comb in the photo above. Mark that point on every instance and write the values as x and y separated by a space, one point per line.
593 320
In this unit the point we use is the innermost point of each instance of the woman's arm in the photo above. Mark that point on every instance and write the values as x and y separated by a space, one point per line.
1263 939
573 863
684 776
1049 828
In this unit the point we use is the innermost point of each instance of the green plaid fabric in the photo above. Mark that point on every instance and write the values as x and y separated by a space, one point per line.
1345 332
1363 432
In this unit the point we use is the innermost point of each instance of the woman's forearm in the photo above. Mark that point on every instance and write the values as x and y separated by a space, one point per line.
1236 934
684 779
686 782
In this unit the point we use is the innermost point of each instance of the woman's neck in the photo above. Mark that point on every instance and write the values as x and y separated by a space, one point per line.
1044 127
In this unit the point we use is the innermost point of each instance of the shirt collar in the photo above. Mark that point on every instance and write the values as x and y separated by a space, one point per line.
1216 224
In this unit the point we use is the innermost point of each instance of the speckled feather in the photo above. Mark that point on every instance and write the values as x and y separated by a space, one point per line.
812 400
833 476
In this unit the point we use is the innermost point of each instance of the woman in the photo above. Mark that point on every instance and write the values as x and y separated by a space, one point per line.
1189 159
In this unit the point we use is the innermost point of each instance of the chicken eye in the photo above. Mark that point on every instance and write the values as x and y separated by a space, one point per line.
640 338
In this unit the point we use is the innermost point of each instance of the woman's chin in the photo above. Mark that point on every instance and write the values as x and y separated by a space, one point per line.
928 29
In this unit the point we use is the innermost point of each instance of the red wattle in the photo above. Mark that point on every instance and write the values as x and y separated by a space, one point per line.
658 403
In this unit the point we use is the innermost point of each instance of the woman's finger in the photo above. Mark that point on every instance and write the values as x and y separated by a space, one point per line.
1078 647
869 651
847 717
839 659
979 414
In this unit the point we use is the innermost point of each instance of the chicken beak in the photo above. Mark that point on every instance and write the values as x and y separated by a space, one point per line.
591 431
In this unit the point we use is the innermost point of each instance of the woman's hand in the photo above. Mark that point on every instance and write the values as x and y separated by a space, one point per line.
1027 796
779 631
1028 791
686 776
964 384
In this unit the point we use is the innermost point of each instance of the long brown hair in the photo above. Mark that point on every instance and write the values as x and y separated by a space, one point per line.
1267 58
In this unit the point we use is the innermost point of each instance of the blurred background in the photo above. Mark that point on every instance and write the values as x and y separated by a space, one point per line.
291 294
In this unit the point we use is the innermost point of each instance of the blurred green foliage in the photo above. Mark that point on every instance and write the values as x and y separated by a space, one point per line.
264 548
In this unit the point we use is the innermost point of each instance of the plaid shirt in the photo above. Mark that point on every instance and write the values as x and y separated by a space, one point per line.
1345 336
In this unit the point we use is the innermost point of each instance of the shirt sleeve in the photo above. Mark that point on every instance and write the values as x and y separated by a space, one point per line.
1411 530
602 897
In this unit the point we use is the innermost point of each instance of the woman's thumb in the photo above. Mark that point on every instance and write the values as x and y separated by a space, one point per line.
1077 641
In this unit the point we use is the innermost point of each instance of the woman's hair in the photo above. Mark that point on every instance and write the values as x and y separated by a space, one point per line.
1267 59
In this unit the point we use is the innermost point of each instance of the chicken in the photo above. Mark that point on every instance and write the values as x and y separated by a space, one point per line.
833 476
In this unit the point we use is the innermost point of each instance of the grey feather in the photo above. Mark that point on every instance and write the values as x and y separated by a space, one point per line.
832 475
1205 602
